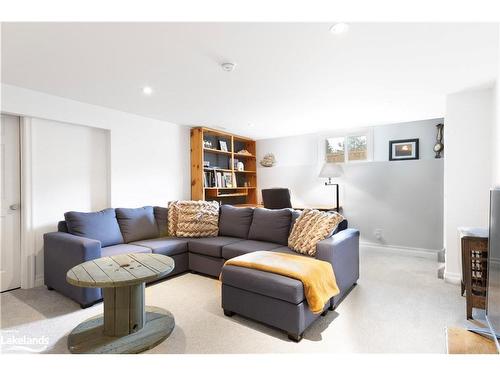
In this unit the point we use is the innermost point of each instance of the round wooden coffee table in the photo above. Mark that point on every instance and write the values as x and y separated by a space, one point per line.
126 326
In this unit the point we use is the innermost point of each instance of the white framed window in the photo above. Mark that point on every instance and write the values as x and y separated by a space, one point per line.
349 147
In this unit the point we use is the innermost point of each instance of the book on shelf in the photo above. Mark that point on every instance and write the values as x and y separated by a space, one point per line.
209 179
218 180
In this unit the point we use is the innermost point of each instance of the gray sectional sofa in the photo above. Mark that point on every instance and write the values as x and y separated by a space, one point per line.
269 298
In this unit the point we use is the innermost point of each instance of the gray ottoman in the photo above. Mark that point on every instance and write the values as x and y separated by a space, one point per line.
268 298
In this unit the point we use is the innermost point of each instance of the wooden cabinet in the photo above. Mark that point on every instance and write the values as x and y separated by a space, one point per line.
474 246
223 167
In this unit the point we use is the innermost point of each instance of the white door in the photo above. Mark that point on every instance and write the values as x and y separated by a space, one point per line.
10 216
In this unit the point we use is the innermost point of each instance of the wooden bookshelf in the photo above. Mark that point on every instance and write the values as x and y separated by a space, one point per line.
244 192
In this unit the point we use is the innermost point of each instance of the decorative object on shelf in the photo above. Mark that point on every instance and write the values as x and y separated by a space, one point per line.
206 163
228 180
223 145
244 152
331 170
403 149
207 144
439 146
240 166
269 160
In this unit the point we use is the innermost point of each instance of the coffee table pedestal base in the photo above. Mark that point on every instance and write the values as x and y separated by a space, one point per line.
88 337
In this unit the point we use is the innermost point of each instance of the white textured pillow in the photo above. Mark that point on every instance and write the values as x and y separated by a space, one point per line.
193 219
311 227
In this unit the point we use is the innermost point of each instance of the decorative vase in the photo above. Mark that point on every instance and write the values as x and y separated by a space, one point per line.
439 146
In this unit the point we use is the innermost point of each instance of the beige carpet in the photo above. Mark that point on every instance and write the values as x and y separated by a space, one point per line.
399 305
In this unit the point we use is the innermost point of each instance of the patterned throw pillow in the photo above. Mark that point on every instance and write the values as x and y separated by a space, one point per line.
311 227
172 218
193 219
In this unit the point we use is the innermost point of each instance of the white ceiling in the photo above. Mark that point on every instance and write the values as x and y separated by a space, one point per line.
289 79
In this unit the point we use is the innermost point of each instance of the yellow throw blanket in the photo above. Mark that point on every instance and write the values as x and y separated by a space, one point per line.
316 275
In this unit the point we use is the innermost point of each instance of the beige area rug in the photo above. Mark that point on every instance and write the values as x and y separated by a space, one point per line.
399 305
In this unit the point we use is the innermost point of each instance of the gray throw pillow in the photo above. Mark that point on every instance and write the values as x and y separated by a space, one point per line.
271 225
137 223
235 221
101 226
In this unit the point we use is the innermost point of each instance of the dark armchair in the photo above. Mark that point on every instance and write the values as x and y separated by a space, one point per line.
276 198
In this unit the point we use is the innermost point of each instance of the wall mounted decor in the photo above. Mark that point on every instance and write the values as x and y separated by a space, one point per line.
268 160
439 146
403 149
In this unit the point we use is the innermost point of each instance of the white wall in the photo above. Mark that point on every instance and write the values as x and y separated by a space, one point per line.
148 159
495 134
496 127
403 198
69 172
467 169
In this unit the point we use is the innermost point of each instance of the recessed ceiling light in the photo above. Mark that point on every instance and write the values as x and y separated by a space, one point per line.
339 28
147 90
228 66
250 125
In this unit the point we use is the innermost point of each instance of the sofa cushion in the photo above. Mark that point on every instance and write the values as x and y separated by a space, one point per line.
295 216
101 226
235 221
123 249
286 250
165 246
137 223
271 225
244 247
211 246
264 283
161 216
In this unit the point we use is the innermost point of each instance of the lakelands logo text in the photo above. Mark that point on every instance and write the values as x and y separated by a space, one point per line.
11 341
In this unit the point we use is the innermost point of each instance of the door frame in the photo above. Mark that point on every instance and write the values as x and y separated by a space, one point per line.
27 234
29 279
28 251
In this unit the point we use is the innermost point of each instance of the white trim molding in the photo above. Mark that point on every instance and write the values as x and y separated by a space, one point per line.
452 278
27 230
39 281
403 250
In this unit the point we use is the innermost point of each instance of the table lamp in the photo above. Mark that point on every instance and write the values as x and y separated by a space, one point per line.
331 170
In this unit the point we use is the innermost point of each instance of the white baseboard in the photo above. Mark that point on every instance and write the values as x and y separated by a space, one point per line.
39 281
452 278
403 250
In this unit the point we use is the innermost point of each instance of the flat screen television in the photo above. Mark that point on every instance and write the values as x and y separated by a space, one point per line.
493 294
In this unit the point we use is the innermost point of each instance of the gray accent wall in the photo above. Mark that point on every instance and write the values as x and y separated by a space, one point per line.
402 199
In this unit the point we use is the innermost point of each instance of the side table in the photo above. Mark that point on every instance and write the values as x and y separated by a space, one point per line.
127 325
474 248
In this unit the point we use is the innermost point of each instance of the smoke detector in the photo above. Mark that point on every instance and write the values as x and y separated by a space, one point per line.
228 66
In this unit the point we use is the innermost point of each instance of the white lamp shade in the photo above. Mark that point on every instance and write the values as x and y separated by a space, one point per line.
331 170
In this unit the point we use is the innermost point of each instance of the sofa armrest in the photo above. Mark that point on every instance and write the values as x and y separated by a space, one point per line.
69 246
61 252
342 251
